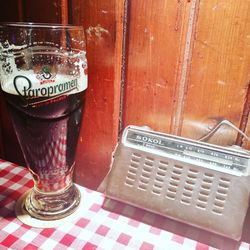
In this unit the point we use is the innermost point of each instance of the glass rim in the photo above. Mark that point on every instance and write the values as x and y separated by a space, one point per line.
30 25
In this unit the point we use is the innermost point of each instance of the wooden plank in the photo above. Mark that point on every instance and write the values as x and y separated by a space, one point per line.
64 11
245 122
155 46
9 11
219 69
102 21
46 11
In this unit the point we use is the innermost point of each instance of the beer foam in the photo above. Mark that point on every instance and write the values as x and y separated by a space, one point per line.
28 84
7 63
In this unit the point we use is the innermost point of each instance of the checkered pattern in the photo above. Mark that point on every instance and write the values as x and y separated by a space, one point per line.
105 224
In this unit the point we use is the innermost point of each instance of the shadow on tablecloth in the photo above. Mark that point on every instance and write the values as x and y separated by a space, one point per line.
179 230
8 198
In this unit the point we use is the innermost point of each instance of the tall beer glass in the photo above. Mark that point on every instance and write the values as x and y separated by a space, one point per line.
43 78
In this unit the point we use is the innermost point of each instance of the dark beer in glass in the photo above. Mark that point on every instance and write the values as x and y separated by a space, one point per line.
43 79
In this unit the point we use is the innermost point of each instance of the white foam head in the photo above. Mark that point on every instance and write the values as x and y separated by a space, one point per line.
36 82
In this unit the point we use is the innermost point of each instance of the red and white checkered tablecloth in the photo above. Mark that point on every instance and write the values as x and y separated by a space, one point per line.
104 224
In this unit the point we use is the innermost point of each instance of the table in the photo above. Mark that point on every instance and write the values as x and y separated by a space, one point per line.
104 224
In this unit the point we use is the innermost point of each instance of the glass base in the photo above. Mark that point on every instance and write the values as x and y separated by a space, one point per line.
52 206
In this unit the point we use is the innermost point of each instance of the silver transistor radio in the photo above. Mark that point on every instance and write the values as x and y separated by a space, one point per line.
194 182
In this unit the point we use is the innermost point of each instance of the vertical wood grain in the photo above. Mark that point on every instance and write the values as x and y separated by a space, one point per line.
156 33
183 70
46 11
64 11
9 11
102 21
245 121
219 69
20 11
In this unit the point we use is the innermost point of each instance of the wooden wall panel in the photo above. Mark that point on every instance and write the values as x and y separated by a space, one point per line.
245 121
155 44
46 11
219 70
101 20
10 11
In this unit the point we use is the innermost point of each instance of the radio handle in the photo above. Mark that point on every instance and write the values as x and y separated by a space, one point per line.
216 127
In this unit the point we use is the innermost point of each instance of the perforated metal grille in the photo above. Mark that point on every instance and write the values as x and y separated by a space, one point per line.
177 182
